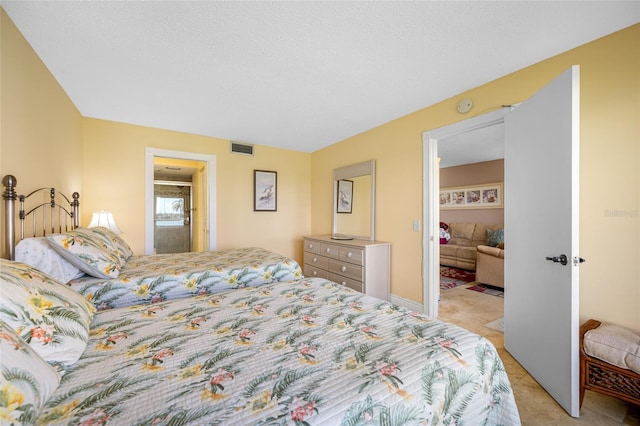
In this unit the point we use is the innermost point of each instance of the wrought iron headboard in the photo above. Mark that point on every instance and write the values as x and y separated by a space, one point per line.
59 213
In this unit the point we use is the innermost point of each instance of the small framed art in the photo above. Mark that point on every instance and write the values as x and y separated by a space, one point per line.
265 191
345 196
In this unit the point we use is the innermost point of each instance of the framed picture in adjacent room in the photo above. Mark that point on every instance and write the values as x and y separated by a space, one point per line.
265 191
484 196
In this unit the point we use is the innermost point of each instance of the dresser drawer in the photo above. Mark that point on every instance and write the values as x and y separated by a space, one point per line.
352 255
311 271
315 260
311 247
348 270
330 250
348 282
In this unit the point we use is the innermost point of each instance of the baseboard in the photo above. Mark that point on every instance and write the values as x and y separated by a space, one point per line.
406 303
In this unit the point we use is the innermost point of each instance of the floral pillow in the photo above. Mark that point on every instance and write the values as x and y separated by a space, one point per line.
87 251
26 380
115 244
38 253
53 319
495 237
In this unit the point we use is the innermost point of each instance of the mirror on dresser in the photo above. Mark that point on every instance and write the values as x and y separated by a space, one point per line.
354 188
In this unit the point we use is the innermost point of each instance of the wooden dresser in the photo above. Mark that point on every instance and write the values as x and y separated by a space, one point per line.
362 265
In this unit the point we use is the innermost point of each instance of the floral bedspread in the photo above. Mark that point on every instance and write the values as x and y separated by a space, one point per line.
308 352
155 278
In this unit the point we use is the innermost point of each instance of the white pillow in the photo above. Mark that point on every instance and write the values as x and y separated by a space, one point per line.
38 253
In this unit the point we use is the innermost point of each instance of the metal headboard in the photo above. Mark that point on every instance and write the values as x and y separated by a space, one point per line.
59 213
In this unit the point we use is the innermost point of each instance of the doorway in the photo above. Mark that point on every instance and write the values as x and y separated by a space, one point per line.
431 190
199 172
173 221
471 175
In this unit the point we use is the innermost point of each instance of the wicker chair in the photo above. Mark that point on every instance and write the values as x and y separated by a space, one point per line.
602 377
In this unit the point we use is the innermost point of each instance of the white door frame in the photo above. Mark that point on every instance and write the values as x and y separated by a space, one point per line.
430 196
150 154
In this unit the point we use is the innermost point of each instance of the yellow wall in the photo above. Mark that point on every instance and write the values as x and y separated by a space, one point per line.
40 129
114 179
610 179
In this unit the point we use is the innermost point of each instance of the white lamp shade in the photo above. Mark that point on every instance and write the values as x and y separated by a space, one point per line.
104 219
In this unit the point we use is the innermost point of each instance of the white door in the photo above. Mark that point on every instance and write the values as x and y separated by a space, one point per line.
541 222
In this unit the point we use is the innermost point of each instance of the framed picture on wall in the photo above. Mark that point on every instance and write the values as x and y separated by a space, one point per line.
345 196
484 196
265 191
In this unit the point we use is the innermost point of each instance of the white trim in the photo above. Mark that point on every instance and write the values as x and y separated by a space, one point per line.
575 241
431 210
406 303
430 234
150 154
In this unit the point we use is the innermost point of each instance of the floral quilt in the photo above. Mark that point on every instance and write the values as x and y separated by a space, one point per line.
155 278
308 352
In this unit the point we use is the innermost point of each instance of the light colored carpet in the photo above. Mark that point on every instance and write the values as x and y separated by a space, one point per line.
497 325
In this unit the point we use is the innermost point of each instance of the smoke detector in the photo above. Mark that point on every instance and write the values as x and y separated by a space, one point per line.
465 106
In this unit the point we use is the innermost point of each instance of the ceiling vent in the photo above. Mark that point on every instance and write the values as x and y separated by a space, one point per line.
241 148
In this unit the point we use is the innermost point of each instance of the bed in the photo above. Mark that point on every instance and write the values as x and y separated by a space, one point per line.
304 352
101 266
155 278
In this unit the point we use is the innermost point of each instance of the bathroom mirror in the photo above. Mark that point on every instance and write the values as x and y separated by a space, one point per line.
354 189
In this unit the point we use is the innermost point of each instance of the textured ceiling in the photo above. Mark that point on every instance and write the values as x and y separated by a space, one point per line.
296 75
478 145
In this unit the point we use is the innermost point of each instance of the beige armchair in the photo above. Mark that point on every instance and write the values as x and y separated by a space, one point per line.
490 266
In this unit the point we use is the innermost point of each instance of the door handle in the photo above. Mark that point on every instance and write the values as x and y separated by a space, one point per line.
562 259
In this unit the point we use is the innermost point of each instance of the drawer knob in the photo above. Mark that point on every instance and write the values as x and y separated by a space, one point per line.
349 255
315 259
310 246
343 269
328 250
344 283
315 273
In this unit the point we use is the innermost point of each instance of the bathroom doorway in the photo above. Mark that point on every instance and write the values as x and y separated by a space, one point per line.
194 215
173 217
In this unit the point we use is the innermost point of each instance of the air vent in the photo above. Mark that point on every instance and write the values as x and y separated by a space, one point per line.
241 148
